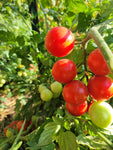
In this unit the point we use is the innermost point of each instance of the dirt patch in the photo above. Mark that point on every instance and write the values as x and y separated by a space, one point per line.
9 106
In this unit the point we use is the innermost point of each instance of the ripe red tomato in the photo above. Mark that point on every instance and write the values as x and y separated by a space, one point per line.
19 125
101 114
77 110
59 41
97 63
100 87
13 124
64 70
75 92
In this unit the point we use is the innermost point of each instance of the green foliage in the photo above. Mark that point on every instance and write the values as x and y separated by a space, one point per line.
20 46
67 140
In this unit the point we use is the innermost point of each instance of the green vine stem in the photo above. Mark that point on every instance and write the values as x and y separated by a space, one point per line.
102 45
101 135
107 141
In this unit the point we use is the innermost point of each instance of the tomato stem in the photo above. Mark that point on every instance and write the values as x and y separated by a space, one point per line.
105 139
97 132
85 62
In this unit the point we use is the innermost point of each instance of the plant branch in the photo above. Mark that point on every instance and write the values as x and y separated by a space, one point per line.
44 14
85 64
103 24
105 139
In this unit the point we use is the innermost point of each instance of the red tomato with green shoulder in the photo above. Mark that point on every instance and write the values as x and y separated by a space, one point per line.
64 70
75 92
97 63
100 87
77 110
59 41
19 125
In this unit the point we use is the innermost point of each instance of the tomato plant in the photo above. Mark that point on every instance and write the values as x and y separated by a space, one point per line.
19 125
75 92
59 41
100 87
64 70
32 35
101 114
97 63
77 110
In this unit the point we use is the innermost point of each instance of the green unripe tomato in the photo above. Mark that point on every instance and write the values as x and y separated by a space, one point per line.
101 114
56 95
41 87
56 87
46 95
1 85
2 81
8 134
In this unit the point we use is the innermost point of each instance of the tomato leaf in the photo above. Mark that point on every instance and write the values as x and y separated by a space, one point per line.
46 136
67 141
51 146
93 142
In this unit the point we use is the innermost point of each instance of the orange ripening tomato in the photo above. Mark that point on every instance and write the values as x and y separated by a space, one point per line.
59 41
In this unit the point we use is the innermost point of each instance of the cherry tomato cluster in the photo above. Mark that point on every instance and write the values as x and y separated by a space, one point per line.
59 42
46 94
75 92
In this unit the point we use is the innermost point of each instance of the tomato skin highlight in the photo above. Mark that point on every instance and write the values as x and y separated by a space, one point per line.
64 70
77 110
97 63
101 114
75 92
59 41
100 87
